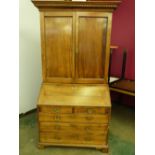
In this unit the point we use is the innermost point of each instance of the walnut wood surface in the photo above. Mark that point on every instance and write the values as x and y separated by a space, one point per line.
74 95
71 51
69 109
82 118
91 45
80 127
73 114
73 138
58 36
106 4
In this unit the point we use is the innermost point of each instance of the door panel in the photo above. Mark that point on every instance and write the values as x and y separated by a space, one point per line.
59 47
91 46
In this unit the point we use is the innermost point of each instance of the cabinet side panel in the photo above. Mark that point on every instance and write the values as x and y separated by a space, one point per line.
43 45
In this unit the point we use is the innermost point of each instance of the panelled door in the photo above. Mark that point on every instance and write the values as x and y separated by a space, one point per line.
92 46
57 46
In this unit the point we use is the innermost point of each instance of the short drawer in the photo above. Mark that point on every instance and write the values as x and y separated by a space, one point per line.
73 138
77 118
67 127
55 109
91 110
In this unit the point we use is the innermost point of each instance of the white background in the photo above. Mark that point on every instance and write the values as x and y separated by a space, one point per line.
29 55
145 77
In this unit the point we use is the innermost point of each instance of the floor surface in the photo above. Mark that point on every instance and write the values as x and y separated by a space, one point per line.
121 136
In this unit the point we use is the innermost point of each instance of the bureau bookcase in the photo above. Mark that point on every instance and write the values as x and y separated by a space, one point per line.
74 103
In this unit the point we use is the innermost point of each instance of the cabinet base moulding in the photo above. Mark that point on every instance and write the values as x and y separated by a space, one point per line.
102 148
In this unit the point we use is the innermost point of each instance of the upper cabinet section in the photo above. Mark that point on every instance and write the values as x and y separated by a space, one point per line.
75 40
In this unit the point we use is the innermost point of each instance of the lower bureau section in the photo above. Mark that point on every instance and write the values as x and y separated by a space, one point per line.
74 138
74 115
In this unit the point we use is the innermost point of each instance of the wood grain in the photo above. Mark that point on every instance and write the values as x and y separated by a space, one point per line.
82 118
67 127
55 109
91 45
73 137
58 32
71 51
109 5
74 95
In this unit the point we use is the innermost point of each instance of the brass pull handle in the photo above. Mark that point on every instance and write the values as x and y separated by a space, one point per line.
89 111
87 128
57 118
55 110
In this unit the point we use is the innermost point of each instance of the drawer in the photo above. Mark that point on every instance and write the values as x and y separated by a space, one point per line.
67 127
76 118
91 110
73 138
55 109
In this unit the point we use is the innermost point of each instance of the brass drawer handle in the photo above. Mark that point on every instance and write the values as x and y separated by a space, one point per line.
87 128
89 111
56 110
57 118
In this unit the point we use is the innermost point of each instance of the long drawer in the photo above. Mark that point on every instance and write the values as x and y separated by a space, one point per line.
78 118
73 138
67 127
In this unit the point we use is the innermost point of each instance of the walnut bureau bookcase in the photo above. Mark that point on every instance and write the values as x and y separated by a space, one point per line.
74 102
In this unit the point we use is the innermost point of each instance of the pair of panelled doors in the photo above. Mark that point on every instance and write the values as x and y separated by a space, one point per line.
75 46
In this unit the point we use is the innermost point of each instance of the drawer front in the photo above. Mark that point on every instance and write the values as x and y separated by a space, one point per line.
77 118
73 138
67 127
55 109
91 110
